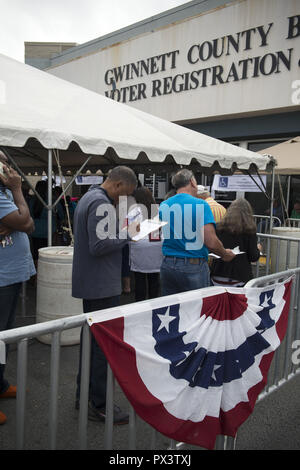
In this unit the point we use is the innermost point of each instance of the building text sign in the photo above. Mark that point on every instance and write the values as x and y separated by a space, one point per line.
237 183
118 78
240 59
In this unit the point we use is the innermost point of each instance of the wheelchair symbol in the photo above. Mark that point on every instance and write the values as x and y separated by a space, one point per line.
223 182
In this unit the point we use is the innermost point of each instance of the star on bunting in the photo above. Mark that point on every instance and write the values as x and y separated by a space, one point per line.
165 321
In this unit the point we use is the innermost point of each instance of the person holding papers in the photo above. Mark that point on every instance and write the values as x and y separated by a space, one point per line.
188 237
146 254
96 276
237 229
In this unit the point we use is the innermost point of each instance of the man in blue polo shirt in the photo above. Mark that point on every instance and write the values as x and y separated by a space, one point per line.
16 264
188 238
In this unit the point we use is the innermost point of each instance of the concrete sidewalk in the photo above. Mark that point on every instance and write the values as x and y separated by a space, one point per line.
274 424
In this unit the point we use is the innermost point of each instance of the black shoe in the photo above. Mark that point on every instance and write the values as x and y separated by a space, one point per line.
99 414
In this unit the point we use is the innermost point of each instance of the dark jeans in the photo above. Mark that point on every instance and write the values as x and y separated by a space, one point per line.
179 275
125 261
8 303
98 369
146 282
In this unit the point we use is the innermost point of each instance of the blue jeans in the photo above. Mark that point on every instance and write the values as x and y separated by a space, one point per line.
98 367
179 275
8 303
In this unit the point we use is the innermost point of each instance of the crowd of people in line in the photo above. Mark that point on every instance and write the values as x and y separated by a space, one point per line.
39 214
171 260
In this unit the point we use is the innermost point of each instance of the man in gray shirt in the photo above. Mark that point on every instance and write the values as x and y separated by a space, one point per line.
96 275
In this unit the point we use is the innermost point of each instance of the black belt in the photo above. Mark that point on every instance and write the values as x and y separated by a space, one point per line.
190 260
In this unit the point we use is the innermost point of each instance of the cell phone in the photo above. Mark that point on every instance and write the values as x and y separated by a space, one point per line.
1 169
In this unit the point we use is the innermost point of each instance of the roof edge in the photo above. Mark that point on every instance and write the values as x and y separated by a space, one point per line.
173 15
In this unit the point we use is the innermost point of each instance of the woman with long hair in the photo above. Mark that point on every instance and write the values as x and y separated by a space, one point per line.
146 254
237 228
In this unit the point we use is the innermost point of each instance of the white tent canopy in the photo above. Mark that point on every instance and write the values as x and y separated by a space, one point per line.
287 155
39 111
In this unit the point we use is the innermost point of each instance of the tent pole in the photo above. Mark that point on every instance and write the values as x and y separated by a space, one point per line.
50 197
272 197
288 192
71 181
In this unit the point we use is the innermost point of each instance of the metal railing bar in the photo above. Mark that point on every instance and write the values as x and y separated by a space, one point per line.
54 381
292 222
32 331
220 442
179 445
153 439
132 428
288 254
84 386
108 434
298 279
276 366
277 254
267 219
230 442
297 323
276 277
288 335
172 445
21 392
268 256
276 237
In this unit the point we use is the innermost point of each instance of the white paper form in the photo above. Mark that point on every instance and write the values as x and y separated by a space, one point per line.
235 250
146 227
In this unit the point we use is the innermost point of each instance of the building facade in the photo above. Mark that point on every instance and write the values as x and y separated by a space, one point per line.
228 70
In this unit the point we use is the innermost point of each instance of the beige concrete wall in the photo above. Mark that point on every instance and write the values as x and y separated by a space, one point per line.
45 49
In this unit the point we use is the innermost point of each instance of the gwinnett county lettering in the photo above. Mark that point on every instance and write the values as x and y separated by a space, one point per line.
197 55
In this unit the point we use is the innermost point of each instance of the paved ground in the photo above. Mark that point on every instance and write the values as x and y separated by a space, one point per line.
274 424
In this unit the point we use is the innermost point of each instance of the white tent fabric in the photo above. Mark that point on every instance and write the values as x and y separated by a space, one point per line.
287 156
36 104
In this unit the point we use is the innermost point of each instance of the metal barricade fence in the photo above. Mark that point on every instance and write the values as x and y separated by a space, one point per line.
277 250
292 223
21 337
283 370
263 222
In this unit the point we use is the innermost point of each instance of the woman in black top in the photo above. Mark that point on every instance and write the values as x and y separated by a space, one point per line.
237 228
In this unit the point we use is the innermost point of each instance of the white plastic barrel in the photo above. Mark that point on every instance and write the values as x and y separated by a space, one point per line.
286 257
54 288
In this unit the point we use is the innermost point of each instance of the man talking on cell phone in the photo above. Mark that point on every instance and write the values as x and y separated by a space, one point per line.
16 263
